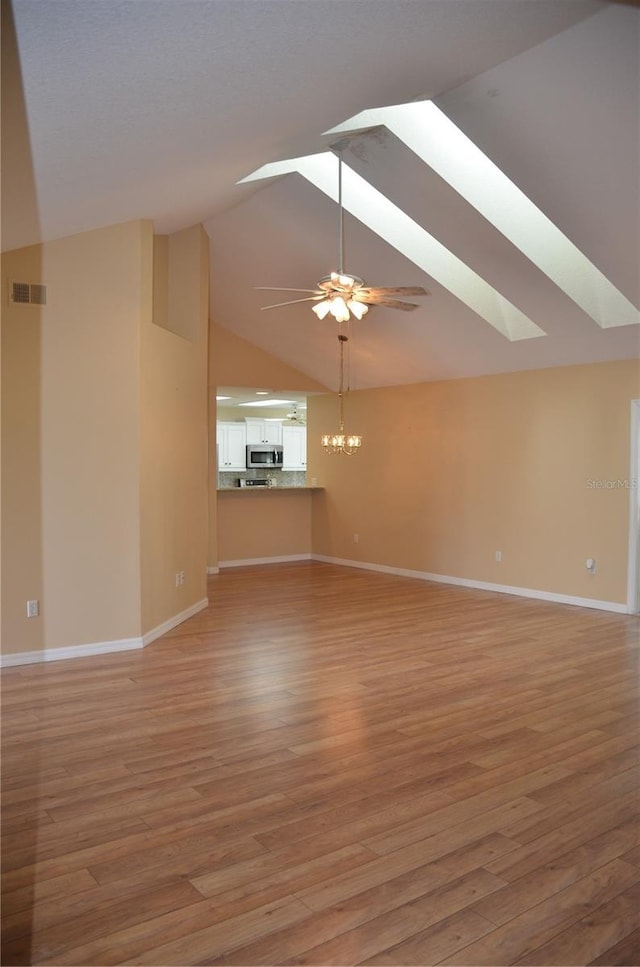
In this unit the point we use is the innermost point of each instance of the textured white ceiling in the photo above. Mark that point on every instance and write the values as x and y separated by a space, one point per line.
156 108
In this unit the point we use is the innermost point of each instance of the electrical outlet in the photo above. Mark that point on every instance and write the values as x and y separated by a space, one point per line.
498 556
182 578
356 538
590 565
177 579
33 609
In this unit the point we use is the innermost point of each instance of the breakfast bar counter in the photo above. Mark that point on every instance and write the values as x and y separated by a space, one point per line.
267 490
272 524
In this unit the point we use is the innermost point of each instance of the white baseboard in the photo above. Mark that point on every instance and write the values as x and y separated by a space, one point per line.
172 622
212 570
479 585
266 560
101 647
72 651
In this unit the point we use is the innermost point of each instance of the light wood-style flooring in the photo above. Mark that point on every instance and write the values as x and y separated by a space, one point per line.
330 766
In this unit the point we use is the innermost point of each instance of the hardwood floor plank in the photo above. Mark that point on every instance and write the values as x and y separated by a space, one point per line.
619 790
203 945
359 767
432 945
343 831
605 927
463 821
626 953
539 924
68 920
633 856
434 887
395 926
43 890
588 779
584 825
542 882
438 858
187 856
29 858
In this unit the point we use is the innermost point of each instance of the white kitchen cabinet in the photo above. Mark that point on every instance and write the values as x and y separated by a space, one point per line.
232 446
263 431
294 443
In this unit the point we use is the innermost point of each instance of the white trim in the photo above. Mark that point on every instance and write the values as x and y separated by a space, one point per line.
213 570
72 651
101 647
479 585
633 592
266 560
171 623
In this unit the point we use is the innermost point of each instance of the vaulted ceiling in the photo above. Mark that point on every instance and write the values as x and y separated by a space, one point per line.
157 109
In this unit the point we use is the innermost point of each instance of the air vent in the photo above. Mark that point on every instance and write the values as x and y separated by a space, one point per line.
28 293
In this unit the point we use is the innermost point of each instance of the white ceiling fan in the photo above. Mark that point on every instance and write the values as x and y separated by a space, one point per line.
342 294
295 417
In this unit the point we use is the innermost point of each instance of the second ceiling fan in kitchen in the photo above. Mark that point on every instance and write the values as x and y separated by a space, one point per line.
341 294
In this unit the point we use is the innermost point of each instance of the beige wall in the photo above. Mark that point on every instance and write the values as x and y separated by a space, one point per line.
266 524
104 422
71 504
451 472
22 574
174 430
235 362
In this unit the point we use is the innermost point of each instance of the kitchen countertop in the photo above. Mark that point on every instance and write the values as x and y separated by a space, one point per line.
262 490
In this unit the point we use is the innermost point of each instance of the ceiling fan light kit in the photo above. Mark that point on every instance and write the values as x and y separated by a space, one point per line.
342 293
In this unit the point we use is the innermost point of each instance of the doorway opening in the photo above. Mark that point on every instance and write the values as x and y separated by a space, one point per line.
633 570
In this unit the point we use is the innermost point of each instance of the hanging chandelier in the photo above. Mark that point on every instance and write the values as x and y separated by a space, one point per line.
341 442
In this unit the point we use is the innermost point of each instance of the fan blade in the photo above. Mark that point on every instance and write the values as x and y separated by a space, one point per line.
396 290
278 305
280 288
391 303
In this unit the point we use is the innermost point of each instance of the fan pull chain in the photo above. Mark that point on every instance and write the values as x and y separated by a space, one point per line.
342 339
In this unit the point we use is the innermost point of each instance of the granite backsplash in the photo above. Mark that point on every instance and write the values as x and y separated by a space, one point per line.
281 478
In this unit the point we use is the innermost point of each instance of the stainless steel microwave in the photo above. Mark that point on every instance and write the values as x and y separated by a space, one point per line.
264 456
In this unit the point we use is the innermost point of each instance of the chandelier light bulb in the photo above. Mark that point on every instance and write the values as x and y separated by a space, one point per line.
345 280
359 309
339 309
322 308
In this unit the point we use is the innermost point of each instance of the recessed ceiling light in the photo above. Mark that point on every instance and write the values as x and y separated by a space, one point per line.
262 392
223 397
268 403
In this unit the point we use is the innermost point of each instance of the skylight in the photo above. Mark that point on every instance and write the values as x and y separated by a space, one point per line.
437 141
